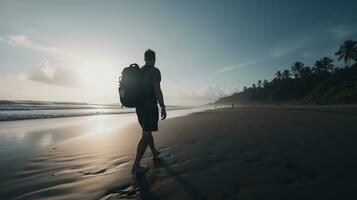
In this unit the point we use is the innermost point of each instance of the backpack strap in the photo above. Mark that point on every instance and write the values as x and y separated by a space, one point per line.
144 69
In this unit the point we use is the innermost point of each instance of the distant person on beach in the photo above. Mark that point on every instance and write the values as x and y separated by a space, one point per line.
148 112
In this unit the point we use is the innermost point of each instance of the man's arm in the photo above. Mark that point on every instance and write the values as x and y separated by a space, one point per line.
160 99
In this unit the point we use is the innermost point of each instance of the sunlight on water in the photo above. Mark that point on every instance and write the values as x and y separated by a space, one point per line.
21 137
46 140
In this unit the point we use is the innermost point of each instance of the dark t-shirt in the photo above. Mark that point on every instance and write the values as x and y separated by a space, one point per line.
151 75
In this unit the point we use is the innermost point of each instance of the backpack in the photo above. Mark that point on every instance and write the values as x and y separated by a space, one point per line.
131 86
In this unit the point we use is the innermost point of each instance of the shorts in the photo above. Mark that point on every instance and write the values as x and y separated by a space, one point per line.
148 116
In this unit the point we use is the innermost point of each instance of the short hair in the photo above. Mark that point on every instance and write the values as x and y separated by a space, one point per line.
150 55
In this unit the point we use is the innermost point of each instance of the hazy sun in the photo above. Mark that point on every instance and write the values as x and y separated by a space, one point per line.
99 74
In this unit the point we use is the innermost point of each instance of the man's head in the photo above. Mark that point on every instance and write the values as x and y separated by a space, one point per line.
150 57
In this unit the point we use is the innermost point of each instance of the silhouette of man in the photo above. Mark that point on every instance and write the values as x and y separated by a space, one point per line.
148 112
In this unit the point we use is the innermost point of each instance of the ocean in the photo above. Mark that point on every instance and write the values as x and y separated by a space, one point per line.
29 125
22 110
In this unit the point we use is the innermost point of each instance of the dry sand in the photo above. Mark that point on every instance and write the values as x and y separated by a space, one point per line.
234 153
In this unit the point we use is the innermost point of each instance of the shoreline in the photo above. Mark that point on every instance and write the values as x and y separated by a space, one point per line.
244 153
20 117
21 136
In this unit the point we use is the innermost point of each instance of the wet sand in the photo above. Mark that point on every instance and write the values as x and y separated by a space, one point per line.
233 153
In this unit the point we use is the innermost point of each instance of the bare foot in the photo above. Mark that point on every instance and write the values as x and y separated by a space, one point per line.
139 170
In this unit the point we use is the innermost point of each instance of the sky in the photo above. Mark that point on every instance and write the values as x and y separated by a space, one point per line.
62 50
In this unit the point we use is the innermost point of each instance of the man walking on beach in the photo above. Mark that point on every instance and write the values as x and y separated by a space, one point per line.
148 112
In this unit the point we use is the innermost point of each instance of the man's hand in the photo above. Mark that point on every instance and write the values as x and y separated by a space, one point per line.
160 99
163 113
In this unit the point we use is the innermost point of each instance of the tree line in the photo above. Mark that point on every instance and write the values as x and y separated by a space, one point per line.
322 83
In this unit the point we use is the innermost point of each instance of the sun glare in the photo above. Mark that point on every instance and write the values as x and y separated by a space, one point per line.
99 75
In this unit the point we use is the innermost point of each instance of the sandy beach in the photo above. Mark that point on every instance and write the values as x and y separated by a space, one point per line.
304 152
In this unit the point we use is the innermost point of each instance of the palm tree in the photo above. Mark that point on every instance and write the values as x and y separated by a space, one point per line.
259 84
254 86
306 71
244 88
318 67
334 70
296 68
327 63
265 83
347 51
278 75
323 65
286 74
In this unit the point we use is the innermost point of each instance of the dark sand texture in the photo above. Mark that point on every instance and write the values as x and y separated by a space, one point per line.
240 153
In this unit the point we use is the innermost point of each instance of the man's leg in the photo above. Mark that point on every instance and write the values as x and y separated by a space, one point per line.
154 151
142 145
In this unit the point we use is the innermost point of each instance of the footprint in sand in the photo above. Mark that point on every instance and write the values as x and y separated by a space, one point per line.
113 166
122 192
101 171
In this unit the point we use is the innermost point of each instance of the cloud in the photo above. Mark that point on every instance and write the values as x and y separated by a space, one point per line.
307 54
20 76
49 82
226 69
233 67
20 88
199 94
230 89
282 50
24 41
18 40
341 32
292 44
55 75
